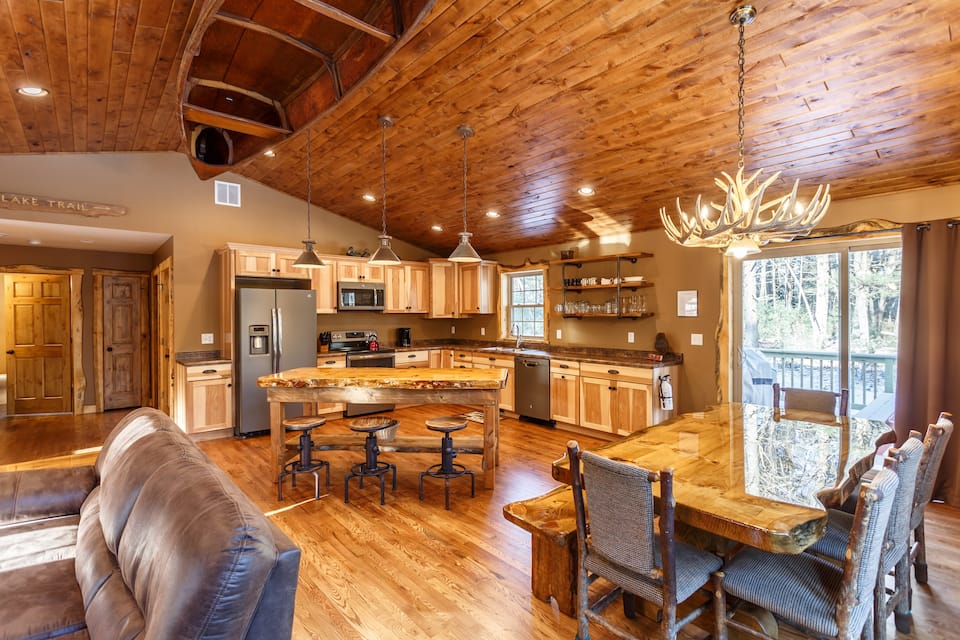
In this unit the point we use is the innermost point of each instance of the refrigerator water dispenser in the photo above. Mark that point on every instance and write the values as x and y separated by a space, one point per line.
259 339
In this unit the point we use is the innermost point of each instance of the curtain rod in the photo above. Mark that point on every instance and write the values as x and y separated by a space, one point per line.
925 226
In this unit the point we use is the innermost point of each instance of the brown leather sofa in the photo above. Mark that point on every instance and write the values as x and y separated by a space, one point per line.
152 542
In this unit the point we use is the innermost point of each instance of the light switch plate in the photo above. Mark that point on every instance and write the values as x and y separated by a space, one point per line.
696 339
206 338
453 329
559 334
630 337
483 331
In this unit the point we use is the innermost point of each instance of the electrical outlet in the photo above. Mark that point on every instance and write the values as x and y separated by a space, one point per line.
483 331
630 337
206 338
696 339
453 329
559 334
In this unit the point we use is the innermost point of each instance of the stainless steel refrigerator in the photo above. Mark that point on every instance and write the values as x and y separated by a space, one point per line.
276 330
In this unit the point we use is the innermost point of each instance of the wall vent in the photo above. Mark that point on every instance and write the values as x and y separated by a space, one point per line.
227 193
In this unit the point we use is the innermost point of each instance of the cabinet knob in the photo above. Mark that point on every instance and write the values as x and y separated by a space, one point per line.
209 371
110 349
10 352
612 388
564 366
613 371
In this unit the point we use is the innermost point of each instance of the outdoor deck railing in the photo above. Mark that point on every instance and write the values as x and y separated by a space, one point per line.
871 374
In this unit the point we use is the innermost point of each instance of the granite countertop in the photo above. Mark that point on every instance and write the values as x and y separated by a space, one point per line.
623 357
193 358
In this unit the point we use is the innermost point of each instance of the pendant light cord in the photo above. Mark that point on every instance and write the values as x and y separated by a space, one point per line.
383 167
309 194
464 182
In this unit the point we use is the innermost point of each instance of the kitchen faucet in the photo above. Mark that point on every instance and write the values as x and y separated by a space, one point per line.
516 331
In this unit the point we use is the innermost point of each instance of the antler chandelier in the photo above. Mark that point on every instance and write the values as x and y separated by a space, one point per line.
745 222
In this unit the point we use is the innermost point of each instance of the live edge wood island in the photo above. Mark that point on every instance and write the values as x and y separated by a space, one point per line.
475 387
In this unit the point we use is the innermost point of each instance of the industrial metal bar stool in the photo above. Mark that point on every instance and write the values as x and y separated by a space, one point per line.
372 466
447 469
305 463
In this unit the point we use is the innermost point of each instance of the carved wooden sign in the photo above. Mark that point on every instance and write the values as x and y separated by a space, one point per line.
25 202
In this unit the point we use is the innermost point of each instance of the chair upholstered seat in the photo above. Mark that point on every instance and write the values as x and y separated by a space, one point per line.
694 567
802 583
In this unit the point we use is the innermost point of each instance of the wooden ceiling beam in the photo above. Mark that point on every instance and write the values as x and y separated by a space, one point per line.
200 115
345 18
250 25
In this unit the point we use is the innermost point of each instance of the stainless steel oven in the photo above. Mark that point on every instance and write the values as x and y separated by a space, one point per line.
356 345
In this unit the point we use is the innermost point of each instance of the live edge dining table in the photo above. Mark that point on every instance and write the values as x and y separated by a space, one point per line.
750 475
375 385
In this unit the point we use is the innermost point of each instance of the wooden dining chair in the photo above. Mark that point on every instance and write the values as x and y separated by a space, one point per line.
934 445
895 556
620 545
815 595
811 400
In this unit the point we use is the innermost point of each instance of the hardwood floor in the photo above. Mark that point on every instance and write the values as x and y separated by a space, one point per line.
410 569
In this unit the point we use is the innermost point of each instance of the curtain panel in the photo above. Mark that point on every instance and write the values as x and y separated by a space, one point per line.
928 361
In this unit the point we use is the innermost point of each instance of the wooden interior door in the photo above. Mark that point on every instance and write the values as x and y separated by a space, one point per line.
124 338
162 324
37 316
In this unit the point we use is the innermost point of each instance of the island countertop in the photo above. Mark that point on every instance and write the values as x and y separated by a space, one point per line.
384 378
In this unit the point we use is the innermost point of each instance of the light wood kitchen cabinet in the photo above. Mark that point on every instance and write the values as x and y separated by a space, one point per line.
565 390
419 359
269 263
437 358
406 287
444 290
358 270
621 400
508 392
462 359
478 287
324 281
330 361
204 397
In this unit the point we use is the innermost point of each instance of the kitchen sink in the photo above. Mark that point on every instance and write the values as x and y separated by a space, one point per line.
502 349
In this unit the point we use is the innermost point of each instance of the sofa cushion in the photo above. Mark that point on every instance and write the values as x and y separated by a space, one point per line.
132 427
41 601
44 493
29 543
196 553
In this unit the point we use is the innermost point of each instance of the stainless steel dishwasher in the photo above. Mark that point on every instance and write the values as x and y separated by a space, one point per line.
533 388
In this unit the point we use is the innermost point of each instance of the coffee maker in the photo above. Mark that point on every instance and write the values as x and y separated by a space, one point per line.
403 336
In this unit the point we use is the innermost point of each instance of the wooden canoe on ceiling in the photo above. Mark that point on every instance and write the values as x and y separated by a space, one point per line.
256 71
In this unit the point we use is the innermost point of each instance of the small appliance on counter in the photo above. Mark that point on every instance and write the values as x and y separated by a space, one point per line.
403 337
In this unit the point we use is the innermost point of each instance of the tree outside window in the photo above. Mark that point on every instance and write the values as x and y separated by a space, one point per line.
525 309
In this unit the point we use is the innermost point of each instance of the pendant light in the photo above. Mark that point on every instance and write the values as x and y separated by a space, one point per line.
464 251
384 254
745 223
308 259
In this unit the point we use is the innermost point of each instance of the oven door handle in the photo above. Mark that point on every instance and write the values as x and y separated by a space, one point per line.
369 356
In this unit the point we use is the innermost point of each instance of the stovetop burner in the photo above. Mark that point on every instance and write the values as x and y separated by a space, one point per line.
354 342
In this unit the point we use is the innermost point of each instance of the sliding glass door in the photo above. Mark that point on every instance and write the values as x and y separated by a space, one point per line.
821 317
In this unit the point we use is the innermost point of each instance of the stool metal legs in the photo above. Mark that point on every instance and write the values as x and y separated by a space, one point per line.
448 469
304 464
372 466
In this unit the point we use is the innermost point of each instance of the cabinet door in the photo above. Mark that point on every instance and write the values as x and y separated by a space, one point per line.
436 358
469 288
418 288
209 404
462 360
395 289
633 407
251 262
285 268
596 403
565 397
324 282
358 269
444 290
508 392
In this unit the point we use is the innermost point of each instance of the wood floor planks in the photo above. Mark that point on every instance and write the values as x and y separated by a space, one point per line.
413 570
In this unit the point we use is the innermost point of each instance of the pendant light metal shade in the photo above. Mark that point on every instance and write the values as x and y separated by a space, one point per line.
384 255
308 259
464 252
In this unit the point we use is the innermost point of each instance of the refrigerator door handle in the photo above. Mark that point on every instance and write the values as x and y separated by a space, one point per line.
279 334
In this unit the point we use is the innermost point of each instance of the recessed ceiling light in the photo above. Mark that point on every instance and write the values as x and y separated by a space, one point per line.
436 227
493 214
270 153
586 190
369 197
229 98
34 242
33 92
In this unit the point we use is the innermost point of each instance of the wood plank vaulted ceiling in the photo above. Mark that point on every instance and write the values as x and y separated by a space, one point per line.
635 98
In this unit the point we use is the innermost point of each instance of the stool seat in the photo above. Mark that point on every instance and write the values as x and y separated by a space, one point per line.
372 466
304 423
447 469
446 424
305 462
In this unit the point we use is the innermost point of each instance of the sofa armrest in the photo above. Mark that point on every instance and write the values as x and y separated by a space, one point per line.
44 493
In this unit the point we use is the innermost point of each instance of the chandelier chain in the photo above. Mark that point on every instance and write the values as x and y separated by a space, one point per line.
740 79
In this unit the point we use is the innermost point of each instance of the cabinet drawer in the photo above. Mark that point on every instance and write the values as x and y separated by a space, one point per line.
412 359
208 372
492 361
565 366
616 371
328 361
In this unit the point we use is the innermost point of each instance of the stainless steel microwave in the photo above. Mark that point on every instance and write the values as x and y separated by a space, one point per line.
360 296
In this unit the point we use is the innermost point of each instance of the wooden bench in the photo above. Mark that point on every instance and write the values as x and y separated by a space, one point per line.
551 519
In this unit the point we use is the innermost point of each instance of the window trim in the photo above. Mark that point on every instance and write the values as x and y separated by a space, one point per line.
506 275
